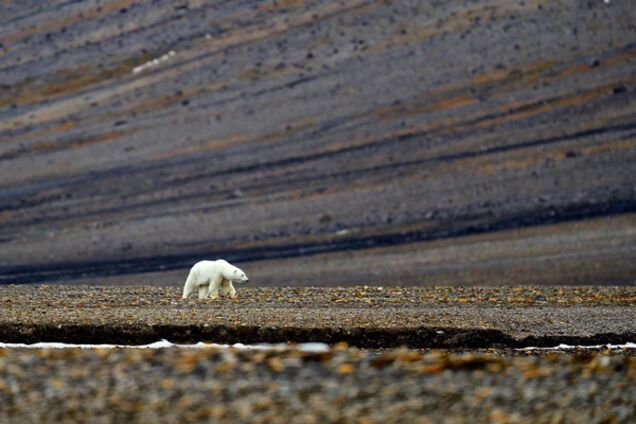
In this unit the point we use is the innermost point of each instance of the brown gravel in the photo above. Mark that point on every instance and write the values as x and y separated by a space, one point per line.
501 385
344 385
449 317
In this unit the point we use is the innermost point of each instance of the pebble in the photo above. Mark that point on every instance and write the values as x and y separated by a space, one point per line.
402 385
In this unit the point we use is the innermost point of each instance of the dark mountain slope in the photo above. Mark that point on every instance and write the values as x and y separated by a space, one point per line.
319 142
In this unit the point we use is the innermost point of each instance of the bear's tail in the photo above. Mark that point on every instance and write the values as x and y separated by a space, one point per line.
188 287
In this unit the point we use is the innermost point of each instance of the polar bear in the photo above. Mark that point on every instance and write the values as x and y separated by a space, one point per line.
212 277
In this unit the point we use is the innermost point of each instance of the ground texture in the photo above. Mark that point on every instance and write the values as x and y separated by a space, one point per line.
344 385
364 316
481 376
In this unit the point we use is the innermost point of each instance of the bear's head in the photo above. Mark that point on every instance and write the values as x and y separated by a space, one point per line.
238 275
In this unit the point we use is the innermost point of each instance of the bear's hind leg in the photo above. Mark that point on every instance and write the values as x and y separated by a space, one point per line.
188 287
214 288
203 292
187 291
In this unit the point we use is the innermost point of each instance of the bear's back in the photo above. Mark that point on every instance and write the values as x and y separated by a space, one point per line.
212 267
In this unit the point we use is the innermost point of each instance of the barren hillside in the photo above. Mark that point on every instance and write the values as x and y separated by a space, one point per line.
325 142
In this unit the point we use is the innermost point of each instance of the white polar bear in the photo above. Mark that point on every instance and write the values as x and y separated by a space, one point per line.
212 277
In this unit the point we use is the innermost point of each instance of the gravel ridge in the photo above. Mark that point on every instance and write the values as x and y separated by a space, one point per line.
448 317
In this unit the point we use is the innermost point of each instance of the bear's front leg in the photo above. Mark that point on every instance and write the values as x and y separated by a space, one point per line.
215 283
232 291
224 289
